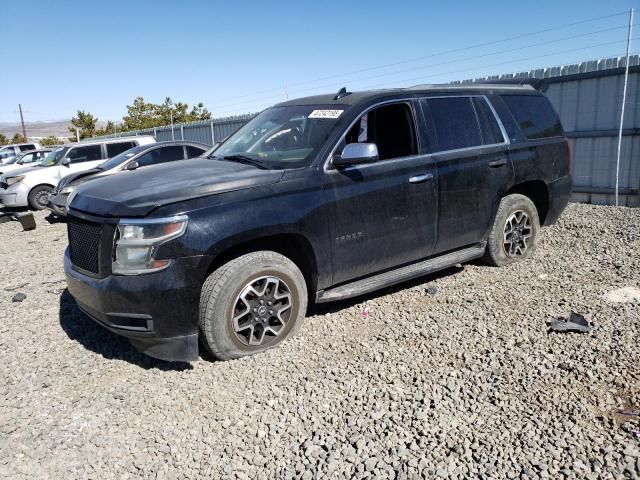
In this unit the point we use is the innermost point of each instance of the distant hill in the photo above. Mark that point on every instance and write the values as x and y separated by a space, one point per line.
37 130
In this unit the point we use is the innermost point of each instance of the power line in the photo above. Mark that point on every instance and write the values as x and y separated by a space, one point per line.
445 73
446 52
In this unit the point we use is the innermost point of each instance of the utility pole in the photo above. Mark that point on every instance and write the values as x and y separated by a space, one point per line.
77 134
24 130
624 100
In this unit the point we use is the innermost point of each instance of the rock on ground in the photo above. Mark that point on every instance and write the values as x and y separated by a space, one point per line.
452 376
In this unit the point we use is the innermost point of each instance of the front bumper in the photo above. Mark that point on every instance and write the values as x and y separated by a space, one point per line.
157 312
58 204
15 196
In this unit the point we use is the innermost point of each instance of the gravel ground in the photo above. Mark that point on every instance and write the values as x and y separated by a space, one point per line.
453 376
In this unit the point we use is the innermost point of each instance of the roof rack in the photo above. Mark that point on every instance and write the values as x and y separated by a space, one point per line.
472 85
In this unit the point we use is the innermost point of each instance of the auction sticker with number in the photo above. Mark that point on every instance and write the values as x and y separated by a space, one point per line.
325 113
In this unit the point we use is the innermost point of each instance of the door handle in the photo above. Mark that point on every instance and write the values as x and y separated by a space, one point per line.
498 163
421 178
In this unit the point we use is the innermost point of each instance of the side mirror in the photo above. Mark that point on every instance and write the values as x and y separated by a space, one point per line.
132 165
356 153
66 162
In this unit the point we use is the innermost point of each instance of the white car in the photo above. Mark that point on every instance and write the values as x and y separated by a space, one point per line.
9 152
31 186
26 159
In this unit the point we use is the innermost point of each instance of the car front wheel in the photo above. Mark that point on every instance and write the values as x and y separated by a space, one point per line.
251 304
39 197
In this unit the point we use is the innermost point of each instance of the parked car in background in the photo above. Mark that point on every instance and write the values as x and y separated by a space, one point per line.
321 198
32 186
137 157
9 152
26 159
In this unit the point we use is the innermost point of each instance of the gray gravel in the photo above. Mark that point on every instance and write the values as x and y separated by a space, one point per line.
454 376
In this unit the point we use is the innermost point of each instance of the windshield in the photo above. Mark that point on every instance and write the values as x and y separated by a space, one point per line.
281 137
53 156
122 157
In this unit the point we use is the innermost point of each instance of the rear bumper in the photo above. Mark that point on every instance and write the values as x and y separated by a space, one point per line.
157 312
559 195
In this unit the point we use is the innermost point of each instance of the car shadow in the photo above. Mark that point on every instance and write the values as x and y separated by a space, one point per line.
333 307
98 339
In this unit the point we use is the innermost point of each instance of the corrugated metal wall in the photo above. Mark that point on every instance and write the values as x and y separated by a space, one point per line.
204 131
588 98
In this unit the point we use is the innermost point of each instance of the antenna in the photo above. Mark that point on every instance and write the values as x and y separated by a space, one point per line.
341 93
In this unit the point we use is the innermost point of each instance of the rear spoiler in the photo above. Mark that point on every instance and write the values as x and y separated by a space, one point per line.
537 83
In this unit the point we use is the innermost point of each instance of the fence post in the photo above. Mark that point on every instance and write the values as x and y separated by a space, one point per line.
155 133
181 132
213 136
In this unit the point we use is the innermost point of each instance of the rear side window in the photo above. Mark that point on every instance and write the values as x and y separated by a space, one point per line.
85 154
114 149
490 130
534 115
161 155
454 123
194 151
24 148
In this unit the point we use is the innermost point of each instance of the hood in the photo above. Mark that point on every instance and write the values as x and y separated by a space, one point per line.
76 179
19 169
137 193
14 168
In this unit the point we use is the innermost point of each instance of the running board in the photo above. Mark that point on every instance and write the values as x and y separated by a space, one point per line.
399 275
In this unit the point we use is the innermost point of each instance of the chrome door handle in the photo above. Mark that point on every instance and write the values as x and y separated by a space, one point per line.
498 163
421 178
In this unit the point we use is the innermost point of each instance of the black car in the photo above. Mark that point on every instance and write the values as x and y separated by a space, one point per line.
316 199
137 157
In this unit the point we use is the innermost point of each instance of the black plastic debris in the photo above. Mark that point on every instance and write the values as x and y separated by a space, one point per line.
576 323
18 297
26 219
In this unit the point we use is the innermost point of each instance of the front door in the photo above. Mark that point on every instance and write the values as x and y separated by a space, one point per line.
383 214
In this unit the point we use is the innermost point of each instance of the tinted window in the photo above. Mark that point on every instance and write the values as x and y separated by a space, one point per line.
24 148
161 155
85 154
390 127
454 123
114 149
490 130
194 151
535 116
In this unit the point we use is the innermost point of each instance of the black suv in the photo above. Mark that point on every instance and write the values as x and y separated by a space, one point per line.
317 199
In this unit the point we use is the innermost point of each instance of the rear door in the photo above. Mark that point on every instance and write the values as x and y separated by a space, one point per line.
473 167
383 213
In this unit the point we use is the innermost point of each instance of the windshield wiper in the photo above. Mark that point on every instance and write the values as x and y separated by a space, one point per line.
246 160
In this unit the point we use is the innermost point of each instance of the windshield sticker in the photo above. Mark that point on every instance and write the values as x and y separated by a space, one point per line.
325 113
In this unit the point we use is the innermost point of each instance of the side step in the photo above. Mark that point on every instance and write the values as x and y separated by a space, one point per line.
409 272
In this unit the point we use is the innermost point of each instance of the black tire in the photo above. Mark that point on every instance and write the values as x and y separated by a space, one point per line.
228 287
38 197
505 245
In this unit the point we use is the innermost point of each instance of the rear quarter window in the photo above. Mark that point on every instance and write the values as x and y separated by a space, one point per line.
534 115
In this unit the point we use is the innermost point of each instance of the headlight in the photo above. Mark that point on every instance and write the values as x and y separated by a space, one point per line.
13 180
136 241
66 191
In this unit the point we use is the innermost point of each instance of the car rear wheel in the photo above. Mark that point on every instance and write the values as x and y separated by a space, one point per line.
39 197
514 233
251 304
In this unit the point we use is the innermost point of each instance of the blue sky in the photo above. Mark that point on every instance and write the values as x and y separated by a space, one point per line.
243 56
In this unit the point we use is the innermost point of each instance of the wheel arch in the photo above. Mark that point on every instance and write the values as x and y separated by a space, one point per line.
294 246
538 192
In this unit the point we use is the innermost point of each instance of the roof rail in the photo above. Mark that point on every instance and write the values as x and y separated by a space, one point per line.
537 83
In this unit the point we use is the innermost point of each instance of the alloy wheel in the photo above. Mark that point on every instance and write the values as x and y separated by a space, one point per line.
518 230
261 311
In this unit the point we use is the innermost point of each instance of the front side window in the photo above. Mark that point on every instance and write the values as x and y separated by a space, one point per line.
281 137
28 157
390 127
114 149
534 115
454 123
88 153
161 155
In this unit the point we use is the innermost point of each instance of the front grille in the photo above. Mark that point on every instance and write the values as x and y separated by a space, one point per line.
84 244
